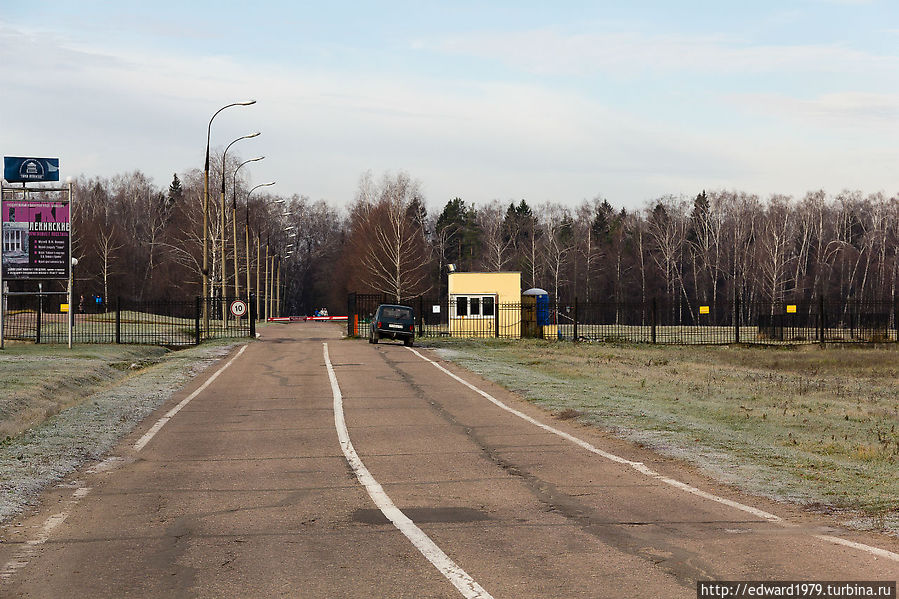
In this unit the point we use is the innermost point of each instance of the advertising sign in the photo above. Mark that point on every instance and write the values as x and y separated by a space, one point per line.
35 239
27 170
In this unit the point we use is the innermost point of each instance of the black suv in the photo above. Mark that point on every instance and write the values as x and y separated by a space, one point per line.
393 322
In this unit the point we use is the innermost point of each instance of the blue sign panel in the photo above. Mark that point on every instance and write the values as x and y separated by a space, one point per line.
25 170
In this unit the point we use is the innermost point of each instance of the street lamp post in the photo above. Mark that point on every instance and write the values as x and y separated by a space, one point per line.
234 225
247 231
206 212
222 222
258 262
278 289
267 303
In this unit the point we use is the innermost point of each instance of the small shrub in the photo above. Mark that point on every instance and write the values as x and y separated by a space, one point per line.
569 414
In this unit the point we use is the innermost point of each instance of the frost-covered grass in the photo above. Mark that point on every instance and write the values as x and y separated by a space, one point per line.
817 427
101 406
37 381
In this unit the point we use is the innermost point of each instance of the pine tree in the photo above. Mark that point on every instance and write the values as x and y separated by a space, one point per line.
176 192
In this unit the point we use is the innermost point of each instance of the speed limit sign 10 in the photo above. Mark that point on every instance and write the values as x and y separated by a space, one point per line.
238 308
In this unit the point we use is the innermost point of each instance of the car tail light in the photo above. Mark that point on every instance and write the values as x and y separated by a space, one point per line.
379 324
411 327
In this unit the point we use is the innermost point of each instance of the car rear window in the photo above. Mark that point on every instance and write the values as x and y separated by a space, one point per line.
398 313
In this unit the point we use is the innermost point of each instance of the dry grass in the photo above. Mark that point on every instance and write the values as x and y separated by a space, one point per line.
807 425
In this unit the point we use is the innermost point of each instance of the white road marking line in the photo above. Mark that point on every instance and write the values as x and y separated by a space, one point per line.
82 492
110 463
460 579
643 469
861 546
142 442
30 548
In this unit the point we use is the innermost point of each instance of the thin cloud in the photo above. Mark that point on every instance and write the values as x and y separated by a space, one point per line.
114 110
550 51
878 112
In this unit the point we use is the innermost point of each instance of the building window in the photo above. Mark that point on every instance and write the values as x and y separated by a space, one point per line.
487 306
461 305
475 306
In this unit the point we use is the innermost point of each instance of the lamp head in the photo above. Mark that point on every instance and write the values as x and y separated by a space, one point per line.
246 102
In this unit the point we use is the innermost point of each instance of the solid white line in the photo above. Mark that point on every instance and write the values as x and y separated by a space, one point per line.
460 579
643 469
168 415
861 546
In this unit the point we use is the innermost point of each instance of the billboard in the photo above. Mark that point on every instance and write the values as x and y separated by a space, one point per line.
25 170
35 238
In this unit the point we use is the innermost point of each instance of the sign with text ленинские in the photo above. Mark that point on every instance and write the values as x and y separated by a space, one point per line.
35 239
30 170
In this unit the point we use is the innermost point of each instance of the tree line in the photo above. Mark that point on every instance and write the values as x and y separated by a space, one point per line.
139 241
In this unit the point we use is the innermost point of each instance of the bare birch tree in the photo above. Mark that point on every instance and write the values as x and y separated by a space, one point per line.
496 243
389 236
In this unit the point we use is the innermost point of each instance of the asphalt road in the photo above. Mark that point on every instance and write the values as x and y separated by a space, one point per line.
251 489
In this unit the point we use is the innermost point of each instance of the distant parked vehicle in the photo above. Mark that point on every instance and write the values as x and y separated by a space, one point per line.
393 322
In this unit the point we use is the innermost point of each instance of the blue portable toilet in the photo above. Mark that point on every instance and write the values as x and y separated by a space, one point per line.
542 298
535 312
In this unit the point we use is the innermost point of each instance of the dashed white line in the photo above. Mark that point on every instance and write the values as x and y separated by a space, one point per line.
460 579
142 442
643 469
30 548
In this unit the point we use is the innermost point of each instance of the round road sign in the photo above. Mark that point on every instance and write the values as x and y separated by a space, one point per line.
238 308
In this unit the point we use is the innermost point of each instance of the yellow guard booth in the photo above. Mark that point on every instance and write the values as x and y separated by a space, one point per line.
479 304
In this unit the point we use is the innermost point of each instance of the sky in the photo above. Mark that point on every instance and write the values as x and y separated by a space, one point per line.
545 101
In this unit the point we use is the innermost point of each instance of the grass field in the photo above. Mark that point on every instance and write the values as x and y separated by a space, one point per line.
808 425
40 380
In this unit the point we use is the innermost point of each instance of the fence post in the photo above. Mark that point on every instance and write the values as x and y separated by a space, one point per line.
575 338
736 318
652 319
40 312
351 315
197 320
421 315
118 319
821 320
252 316
895 317
495 317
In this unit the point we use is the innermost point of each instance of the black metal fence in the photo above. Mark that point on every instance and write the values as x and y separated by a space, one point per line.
653 321
38 318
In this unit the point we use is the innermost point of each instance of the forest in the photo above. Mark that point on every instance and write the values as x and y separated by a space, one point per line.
135 240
